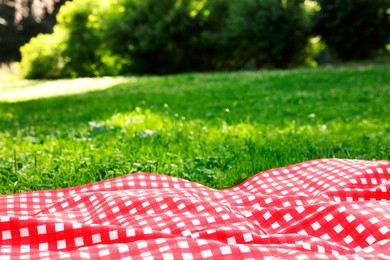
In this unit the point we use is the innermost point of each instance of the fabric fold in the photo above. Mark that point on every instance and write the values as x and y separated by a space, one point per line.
326 208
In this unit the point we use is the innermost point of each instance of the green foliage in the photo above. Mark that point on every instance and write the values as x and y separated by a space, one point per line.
43 56
77 46
353 29
168 36
84 22
267 33
215 129
117 37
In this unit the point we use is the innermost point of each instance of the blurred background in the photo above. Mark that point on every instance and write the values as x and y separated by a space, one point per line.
61 39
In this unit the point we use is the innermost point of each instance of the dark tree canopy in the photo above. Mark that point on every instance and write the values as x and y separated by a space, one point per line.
353 29
20 20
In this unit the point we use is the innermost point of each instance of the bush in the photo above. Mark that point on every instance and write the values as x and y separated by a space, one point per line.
167 36
353 29
77 47
86 50
266 33
43 57
96 38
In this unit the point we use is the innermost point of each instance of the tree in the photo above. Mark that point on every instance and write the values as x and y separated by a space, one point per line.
168 36
353 29
20 20
266 33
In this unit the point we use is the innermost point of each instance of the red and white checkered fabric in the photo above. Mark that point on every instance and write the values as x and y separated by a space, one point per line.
329 208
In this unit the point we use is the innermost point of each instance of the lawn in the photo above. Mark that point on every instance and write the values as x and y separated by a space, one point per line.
216 129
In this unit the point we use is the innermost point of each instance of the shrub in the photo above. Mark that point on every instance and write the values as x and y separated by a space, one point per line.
95 38
353 29
167 36
77 47
86 49
43 57
266 33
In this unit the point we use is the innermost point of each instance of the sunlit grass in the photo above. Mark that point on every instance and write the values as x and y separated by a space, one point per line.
9 74
215 129
22 90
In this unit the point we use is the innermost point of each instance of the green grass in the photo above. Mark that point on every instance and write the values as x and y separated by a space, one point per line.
215 129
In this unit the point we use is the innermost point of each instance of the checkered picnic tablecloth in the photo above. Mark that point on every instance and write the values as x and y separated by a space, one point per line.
321 209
